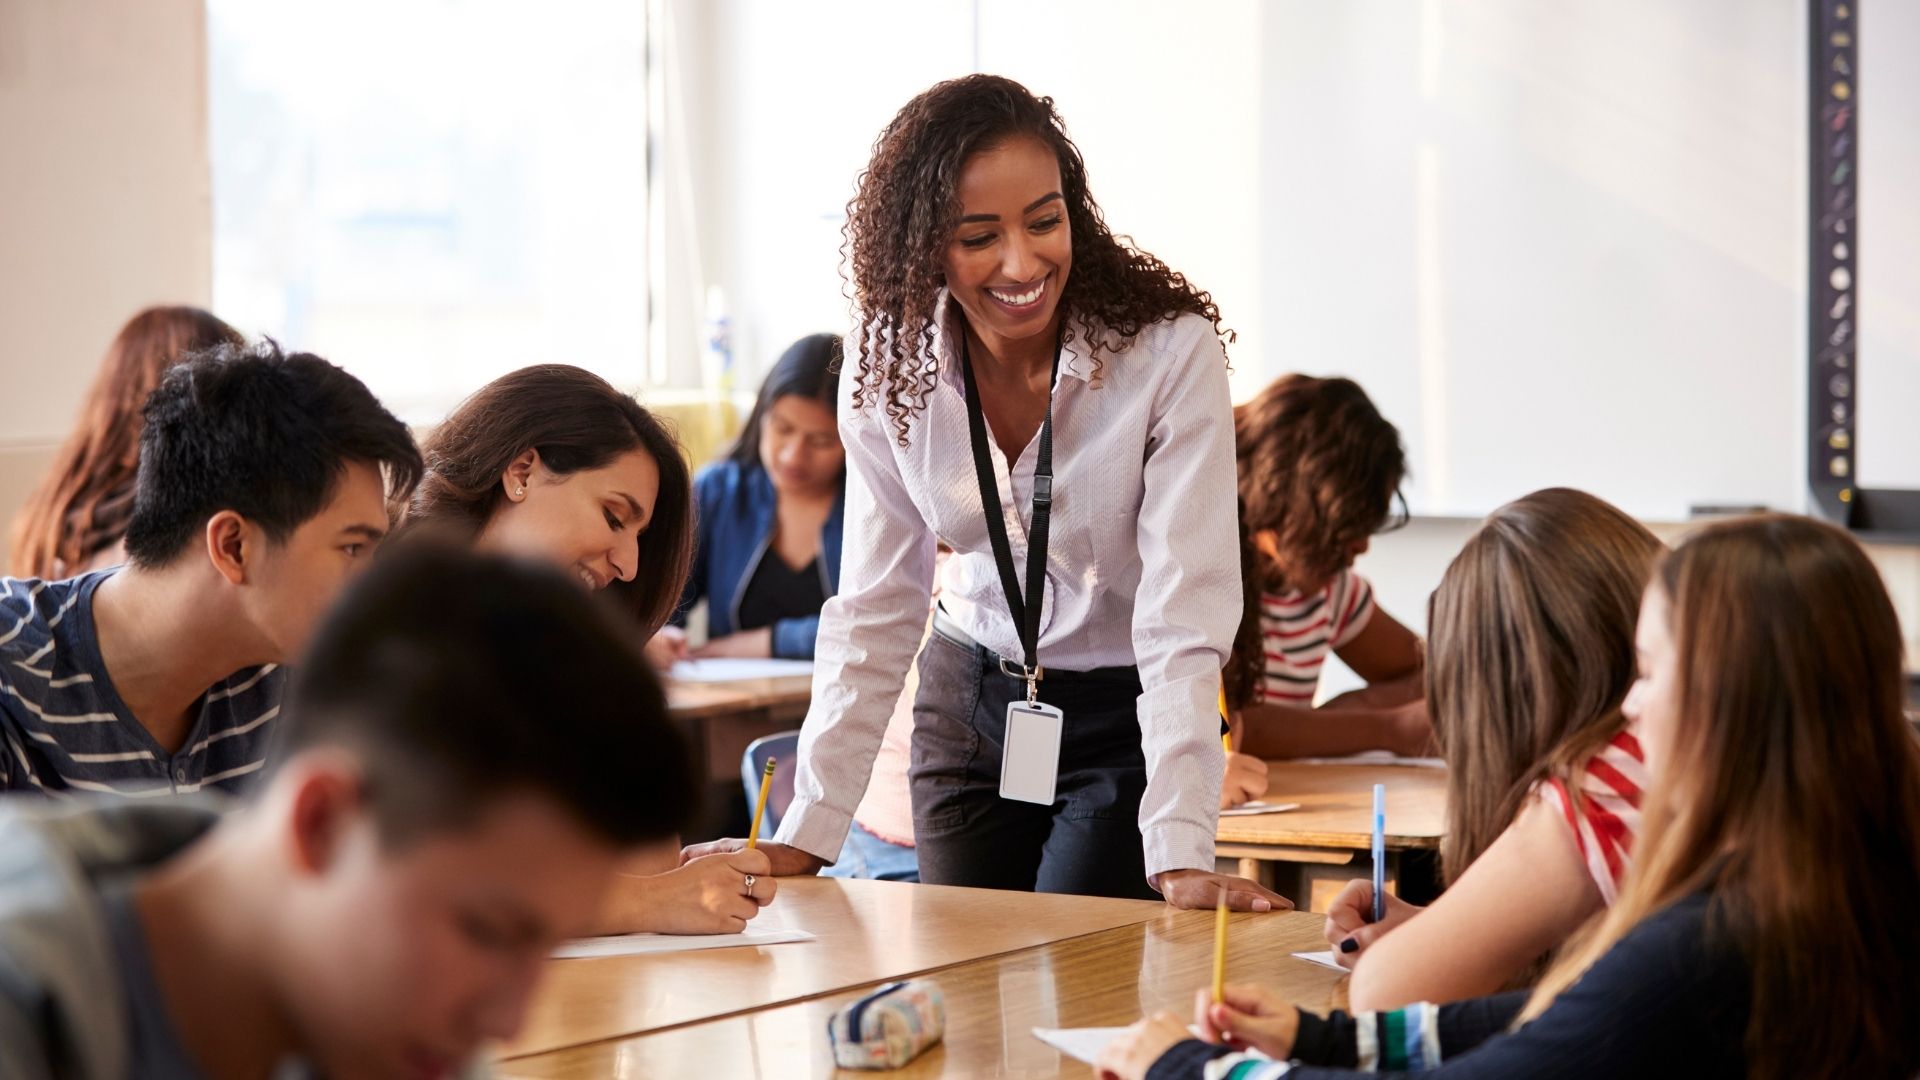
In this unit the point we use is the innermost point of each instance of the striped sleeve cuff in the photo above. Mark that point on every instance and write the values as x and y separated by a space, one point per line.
1399 1040
1195 1059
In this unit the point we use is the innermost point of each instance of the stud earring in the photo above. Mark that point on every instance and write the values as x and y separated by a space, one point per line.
519 492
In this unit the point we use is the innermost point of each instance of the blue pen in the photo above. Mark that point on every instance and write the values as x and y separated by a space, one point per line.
1379 852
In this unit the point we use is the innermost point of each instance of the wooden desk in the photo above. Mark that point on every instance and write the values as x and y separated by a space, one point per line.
1334 825
1103 979
868 931
705 700
721 718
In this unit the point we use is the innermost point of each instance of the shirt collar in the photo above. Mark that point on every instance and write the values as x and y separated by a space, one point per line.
946 345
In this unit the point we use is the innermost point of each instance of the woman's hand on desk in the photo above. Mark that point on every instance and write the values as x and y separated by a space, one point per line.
1350 918
1201 889
749 644
704 896
786 861
1246 780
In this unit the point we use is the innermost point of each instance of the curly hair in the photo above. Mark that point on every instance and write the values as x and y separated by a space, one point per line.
1319 468
904 212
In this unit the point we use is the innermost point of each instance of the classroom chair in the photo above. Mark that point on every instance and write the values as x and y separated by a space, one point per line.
781 747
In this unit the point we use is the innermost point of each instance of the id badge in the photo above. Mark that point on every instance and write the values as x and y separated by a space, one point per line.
1030 761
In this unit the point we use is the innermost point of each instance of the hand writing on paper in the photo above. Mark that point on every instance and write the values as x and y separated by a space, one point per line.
787 861
1349 919
1248 1017
704 896
1129 1056
747 644
666 647
1246 780
1201 889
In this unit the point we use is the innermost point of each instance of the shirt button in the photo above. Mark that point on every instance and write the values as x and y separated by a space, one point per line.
180 774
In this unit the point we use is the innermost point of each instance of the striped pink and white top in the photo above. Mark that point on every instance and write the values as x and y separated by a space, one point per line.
1608 816
1300 629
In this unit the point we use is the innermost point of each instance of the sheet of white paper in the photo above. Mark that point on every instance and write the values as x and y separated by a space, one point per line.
1080 1044
1085 1044
1259 807
1324 958
1378 757
651 944
734 669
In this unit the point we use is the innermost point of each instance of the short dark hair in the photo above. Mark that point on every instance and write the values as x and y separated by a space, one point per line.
463 678
810 368
263 433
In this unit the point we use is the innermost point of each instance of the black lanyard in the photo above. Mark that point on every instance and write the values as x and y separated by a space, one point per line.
1026 615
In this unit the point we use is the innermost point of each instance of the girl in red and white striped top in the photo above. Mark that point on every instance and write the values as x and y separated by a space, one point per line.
1319 469
1531 658
1604 812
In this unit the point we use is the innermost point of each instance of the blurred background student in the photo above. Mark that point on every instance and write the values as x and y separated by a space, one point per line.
767 546
76 518
1319 471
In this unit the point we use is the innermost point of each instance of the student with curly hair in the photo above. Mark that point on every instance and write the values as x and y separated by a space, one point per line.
1319 470
1052 403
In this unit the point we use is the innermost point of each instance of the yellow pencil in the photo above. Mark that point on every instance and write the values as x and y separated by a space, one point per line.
760 806
1226 737
1220 950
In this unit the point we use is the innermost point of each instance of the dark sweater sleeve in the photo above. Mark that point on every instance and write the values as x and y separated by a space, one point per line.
1334 1040
1670 999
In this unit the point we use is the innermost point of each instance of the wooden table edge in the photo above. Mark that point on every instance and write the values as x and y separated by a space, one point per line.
816 995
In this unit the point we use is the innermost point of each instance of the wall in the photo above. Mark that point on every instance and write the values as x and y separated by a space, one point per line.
105 204
1405 566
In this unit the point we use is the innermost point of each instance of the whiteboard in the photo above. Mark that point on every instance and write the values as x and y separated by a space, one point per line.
1889 359
1558 243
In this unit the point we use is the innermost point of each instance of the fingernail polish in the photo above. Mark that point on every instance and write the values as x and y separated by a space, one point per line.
1350 945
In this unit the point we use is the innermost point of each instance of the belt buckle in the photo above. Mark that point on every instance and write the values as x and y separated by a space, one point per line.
1019 671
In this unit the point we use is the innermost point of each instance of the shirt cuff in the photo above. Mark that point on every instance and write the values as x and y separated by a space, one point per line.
1177 845
815 828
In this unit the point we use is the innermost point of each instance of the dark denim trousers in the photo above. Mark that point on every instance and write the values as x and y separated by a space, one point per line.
1087 841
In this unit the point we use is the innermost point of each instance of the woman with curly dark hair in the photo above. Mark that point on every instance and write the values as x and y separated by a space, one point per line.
1052 403
1319 472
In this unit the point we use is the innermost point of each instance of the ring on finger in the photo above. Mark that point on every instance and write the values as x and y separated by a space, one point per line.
750 882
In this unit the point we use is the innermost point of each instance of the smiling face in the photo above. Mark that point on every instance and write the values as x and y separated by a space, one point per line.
1008 259
587 522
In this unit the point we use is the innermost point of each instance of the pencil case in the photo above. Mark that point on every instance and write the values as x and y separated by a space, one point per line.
889 1027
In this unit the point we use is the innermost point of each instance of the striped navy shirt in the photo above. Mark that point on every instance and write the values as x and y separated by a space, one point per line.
67 730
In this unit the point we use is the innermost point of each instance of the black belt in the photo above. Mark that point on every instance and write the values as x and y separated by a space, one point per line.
944 625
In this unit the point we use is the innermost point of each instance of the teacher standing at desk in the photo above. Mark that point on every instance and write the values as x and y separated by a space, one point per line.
1052 403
